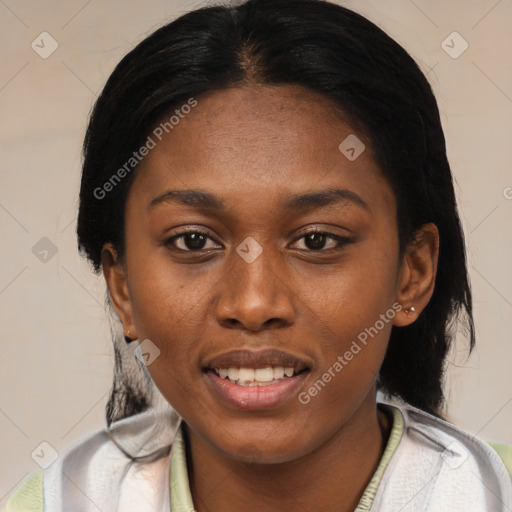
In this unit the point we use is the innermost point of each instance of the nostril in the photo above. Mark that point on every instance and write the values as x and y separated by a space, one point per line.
277 322
233 322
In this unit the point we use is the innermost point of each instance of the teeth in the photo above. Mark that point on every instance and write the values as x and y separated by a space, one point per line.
246 374
264 374
233 373
251 376
278 372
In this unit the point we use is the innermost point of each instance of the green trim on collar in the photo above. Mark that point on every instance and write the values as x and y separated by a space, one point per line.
181 499
395 436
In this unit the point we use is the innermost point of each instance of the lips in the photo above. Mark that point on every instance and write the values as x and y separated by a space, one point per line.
257 359
253 380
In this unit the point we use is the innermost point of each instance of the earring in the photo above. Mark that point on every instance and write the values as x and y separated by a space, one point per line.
408 310
127 338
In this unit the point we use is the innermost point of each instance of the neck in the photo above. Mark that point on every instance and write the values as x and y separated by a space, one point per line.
333 477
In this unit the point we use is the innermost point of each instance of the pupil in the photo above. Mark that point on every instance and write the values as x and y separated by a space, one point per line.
194 241
315 241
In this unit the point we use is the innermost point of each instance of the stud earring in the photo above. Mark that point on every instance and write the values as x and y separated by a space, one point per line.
127 337
408 310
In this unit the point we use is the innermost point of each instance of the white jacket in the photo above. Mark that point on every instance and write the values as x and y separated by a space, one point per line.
436 467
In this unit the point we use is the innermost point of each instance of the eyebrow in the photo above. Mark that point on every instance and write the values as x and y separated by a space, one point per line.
324 198
207 201
197 198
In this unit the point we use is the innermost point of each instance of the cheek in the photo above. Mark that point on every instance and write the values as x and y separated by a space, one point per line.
162 314
167 316
351 343
165 297
352 295
350 316
349 312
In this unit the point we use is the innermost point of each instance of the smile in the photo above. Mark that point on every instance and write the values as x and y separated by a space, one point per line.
255 380
256 376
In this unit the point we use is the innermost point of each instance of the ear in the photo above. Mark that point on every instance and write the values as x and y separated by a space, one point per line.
116 277
417 274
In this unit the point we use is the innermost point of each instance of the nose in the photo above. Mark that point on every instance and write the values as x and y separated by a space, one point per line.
254 296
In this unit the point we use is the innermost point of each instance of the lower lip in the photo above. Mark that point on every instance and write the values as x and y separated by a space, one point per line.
255 397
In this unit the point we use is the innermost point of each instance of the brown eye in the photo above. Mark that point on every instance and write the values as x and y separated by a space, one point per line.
194 241
318 240
190 241
315 241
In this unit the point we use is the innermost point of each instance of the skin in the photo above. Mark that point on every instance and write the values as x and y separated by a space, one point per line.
254 147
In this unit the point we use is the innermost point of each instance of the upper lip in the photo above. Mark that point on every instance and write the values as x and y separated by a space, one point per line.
256 359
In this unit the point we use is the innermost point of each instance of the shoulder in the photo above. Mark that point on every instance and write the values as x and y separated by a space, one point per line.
123 464
439 465
28 497
455 444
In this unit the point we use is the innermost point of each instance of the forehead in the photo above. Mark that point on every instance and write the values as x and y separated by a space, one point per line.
268 139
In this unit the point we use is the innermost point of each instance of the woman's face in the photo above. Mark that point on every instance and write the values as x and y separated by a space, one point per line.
255 171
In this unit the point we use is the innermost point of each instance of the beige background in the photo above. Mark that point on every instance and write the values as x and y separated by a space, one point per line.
56 350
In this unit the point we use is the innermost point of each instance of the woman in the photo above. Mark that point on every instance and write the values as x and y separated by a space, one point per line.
266 191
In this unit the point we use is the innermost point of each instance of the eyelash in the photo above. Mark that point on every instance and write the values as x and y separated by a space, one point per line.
341 240
183 233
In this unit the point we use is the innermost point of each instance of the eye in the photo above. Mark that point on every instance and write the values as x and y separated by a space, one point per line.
190 241
322 241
